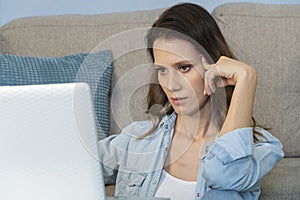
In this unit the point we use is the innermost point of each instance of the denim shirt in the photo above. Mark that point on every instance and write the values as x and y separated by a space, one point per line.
231 162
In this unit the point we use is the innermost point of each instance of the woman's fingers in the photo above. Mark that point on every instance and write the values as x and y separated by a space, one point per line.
225 72
221 82
209 77
216 77
205 63
209 81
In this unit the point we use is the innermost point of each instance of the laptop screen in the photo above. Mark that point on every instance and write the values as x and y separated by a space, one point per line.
48 144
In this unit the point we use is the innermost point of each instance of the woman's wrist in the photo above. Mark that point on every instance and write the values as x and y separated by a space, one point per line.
247 77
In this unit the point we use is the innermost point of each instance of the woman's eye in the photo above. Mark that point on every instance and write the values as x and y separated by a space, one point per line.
184 68
161 70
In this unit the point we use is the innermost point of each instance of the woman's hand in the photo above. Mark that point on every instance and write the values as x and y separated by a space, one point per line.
225 72
232 72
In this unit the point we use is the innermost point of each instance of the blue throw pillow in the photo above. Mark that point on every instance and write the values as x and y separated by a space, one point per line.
94 69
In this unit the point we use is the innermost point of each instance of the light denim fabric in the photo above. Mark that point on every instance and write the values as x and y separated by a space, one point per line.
221 195
231 162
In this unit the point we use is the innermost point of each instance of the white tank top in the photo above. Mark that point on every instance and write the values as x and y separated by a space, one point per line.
175 188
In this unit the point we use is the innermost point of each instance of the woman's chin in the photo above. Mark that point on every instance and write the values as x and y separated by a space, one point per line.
189 112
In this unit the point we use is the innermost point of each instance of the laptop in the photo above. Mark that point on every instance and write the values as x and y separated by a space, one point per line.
48 143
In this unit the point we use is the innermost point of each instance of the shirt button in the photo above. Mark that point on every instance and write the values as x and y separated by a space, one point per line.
166 126
154 182
210 156
206 149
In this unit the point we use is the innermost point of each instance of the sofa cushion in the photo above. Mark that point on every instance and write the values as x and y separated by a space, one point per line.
283 181
94 69
62 35
267 37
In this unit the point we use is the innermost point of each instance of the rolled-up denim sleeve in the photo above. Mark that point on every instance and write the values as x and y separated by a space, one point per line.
235 162
108 157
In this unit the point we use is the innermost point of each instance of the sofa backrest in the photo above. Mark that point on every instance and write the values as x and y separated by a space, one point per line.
123 33
264 36
267 37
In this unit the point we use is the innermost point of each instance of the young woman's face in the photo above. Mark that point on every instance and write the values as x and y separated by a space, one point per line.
180 74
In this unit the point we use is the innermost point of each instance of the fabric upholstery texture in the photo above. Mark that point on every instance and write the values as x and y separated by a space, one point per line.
283 182
62 35
94 68
264 36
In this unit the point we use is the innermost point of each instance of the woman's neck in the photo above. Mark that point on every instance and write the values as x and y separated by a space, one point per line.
197 125
192 134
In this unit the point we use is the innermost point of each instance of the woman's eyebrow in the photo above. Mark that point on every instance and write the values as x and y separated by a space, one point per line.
183 62
158 66
176 64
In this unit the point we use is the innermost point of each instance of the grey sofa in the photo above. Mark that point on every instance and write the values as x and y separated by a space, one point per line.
264 36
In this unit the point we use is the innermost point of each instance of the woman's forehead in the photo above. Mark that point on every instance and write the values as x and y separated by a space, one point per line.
175 49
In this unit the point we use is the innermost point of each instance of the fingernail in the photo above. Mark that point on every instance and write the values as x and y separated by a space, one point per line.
203 59
207 92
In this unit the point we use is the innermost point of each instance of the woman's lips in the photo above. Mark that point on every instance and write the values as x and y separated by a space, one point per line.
178 100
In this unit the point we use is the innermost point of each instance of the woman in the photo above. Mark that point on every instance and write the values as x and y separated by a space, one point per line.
202 142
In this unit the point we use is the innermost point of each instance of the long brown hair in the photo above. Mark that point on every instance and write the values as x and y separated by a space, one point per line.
194 24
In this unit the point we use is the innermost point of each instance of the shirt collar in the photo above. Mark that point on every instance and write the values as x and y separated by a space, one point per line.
168 120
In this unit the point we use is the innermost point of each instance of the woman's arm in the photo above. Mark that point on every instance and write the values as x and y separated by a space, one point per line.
108 157
243 77
233 162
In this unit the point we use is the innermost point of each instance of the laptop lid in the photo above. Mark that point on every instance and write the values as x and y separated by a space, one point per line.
48 144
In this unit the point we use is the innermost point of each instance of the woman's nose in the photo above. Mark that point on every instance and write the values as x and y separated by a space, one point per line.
173 82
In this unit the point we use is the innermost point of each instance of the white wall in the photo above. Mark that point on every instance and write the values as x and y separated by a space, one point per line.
11 9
